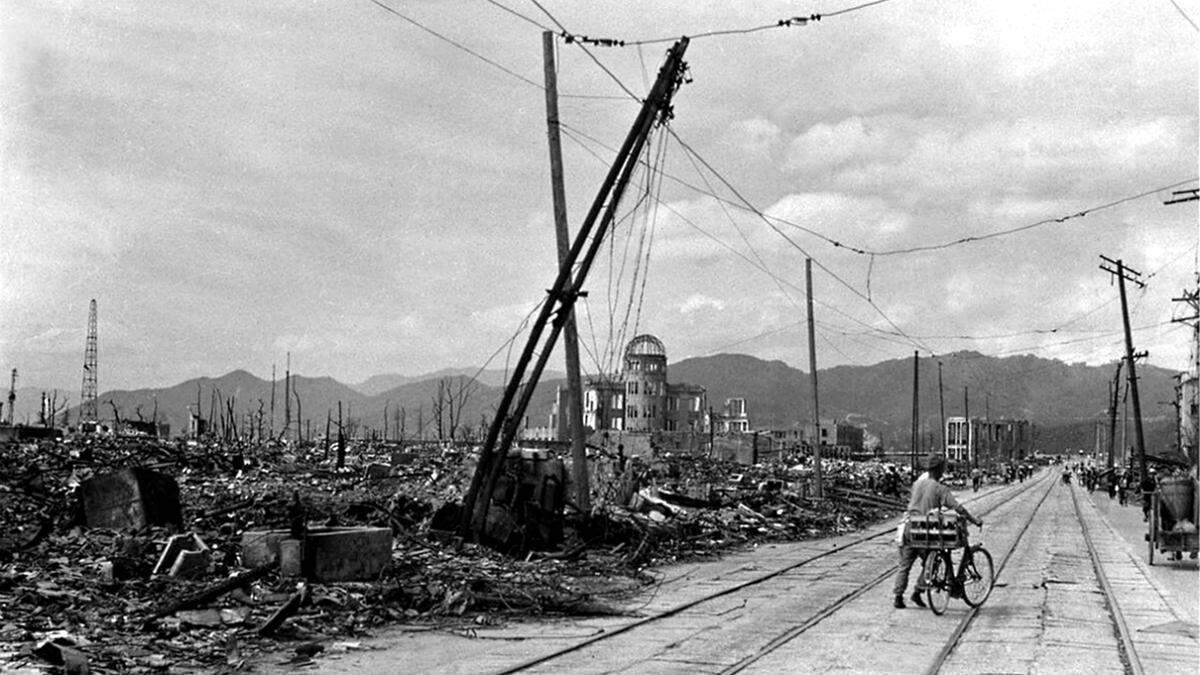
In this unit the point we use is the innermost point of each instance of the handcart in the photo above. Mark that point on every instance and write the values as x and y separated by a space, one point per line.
1174 514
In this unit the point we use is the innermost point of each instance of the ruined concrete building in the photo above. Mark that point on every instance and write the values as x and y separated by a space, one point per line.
639 398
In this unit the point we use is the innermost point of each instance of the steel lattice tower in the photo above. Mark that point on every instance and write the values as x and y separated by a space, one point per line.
87 396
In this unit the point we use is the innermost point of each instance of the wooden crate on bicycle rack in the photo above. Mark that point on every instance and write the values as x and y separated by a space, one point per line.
934 530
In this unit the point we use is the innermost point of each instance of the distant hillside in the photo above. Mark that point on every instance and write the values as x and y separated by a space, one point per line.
1047 392
378 384
1062 400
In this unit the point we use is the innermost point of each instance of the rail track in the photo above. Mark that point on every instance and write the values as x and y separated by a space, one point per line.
984 505
1128 651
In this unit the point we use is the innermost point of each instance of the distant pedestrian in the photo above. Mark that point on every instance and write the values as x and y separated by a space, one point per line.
1148 485
1112 485
928 494
976 478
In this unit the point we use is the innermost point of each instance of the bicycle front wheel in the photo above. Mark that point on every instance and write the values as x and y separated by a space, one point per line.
978 576
937 579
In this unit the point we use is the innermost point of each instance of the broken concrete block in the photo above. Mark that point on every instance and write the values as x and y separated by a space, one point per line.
402 458
291 558
131 498
347 554
329 553
378 471
176 545
190 564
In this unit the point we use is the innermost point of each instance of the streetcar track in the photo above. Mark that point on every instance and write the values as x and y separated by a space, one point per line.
1128 651
816 619
965 622
826 612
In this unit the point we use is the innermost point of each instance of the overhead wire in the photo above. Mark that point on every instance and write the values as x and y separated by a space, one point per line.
757 264
866 251
1040 223
787 22
1184 15
491 62
729 186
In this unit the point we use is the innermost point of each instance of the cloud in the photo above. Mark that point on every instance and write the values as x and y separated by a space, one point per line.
698 302
755 136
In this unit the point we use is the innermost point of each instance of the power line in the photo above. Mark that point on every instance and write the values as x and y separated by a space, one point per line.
787 22
1040 223
758 264
760 214
491 62
1184 15
519 15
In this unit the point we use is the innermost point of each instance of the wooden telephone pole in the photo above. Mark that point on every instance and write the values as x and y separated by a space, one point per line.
916 439
1124 274
812 370
942 408
1114 395
574 411
563 293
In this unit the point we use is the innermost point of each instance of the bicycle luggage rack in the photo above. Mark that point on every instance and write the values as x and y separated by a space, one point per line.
934 531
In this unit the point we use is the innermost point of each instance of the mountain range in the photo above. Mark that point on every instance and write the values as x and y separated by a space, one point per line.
1049 393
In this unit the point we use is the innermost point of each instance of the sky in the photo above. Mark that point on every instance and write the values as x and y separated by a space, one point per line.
234 181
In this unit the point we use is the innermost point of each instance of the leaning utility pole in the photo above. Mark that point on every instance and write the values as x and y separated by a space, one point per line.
1114 392
916 414
812 374
942 408
574 411
563 293
1124 273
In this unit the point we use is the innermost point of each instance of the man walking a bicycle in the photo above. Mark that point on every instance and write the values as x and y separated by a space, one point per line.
928 494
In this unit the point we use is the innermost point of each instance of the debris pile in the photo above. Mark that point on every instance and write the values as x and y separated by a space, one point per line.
196 555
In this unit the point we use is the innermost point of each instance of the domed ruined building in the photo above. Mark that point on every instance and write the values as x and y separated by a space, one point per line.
640 399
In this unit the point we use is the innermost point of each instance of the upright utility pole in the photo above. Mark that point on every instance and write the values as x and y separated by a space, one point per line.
563 292
970 428
1123 273
1114 393
916 413
1191 445
87 396
574 412
942 408
272 425
987 422
812 373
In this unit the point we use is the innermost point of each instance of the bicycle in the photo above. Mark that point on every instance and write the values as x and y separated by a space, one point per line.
973 581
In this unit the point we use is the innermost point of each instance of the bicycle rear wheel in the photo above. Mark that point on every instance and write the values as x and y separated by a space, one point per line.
978 576
937 580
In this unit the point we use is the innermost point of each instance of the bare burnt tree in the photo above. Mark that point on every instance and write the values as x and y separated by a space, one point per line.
328 419
55 407
439 405
299 413
259 425
463 390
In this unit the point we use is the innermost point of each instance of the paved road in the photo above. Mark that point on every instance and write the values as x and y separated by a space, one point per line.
825 606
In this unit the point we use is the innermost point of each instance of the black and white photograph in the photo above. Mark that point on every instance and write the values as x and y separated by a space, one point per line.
621 336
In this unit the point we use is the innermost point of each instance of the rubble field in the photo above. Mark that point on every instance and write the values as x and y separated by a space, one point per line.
202 589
